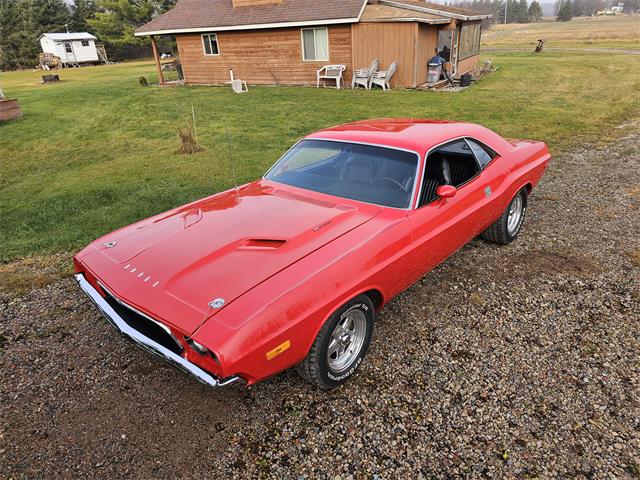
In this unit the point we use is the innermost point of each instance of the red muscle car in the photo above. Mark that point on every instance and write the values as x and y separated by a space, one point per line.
291 269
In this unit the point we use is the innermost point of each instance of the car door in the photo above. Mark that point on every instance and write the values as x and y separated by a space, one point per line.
441 226
491 181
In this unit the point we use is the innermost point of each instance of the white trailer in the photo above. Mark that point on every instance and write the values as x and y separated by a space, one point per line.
71 48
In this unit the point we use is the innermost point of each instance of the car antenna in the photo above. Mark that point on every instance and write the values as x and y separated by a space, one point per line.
233 168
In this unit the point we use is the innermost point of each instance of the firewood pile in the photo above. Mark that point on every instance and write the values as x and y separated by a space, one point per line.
47 61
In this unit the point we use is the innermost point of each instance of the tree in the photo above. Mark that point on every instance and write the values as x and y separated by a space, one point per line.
82 11
22 22
535 12
116 20
522 12
565 12
9 41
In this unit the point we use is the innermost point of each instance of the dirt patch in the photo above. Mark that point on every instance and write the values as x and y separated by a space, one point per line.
17 278
553 263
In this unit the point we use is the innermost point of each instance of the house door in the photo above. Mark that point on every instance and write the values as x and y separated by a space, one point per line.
448 48
71 56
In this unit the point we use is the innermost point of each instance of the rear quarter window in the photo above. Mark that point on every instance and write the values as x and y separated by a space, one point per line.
483 154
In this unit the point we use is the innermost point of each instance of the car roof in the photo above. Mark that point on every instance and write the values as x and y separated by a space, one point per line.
409 133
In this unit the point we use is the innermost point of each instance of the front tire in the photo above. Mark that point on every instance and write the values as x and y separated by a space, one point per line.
506 228
341 344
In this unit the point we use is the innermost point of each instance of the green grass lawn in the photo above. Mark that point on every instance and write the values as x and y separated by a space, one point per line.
97 151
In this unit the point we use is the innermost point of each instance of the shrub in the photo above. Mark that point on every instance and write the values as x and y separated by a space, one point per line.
188 141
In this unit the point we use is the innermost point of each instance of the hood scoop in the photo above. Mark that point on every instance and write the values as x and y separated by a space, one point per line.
261 244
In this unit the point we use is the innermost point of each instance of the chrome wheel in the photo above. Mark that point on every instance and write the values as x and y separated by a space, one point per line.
347 340
515 215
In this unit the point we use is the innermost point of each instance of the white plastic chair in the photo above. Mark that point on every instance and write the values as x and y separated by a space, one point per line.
330 72
363 76
382 78
239 86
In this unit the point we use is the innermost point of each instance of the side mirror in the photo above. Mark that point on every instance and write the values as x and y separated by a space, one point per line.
446 191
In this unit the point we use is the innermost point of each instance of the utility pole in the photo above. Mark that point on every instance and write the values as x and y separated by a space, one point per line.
506 4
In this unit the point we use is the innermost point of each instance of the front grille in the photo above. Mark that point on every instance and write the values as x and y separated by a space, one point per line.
145 326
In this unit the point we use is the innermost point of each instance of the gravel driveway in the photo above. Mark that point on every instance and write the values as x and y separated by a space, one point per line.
520 361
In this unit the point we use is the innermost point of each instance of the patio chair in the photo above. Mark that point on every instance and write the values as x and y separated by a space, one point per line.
330 72
363 76
382 78
239 86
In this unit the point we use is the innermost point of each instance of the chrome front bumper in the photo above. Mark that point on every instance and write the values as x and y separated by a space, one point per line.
147 343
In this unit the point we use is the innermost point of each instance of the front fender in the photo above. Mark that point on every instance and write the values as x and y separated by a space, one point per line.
287 311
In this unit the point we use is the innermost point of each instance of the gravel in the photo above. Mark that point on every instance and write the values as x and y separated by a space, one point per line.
519 361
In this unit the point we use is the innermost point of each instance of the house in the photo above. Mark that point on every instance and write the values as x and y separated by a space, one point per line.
73 48
286 41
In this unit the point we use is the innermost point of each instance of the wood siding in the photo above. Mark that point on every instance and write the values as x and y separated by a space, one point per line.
387 42
272 56
467 64
427 44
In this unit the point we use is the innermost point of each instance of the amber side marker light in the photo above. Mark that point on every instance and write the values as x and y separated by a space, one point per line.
271 354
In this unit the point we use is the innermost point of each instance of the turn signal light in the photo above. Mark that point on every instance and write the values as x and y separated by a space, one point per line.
271 354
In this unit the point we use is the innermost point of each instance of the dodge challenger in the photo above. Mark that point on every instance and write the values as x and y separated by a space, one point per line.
291 269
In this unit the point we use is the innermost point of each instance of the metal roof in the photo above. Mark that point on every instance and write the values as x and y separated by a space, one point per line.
385 13
464 14
64 37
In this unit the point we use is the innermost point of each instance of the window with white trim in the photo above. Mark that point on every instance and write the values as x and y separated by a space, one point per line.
210 44
85 43
315 44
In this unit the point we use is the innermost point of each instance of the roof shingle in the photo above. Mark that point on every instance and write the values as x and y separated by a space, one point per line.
210 14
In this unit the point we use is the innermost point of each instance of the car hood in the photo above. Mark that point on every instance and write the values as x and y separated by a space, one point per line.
174 266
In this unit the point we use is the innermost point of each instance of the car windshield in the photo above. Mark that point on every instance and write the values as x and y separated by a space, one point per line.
379 175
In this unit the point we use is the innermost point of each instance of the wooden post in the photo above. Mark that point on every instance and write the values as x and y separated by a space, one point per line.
154 47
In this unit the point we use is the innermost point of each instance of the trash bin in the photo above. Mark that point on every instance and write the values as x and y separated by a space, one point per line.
465 80
434 71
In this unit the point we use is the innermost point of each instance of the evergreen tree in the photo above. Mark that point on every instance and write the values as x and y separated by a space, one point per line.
22 22
565 12
522 13
535 12
49 15
116 20
9 41
82 11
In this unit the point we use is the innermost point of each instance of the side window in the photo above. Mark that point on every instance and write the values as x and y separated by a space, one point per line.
315 44
210 44
85 43
483 154
452 164
67 48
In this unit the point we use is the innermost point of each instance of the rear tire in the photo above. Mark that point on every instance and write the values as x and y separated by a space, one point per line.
341 345
506 228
